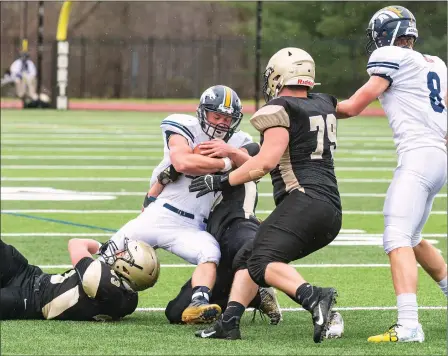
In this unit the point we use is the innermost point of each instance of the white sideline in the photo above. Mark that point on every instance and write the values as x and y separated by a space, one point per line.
144 167
64 211
157 309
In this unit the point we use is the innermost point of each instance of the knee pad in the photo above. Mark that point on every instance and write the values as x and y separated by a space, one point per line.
257 269
394 238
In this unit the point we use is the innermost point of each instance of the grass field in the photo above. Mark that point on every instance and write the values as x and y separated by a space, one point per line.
109 156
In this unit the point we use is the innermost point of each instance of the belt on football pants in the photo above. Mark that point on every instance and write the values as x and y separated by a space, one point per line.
176 210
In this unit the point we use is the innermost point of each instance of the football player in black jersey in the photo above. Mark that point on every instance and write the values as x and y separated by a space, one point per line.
92 290
234 225
298 131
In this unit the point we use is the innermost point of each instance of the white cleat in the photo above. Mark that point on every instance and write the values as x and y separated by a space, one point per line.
399 333
336 328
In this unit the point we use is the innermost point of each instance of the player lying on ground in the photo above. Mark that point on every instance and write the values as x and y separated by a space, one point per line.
410 87
176 220
298 133
92 290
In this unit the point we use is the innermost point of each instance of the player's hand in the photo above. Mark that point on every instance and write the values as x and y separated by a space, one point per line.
168 175
209 183
215 148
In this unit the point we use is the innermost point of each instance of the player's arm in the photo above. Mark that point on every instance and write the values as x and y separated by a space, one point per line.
219 148
275 142
185 161
80 248
362 98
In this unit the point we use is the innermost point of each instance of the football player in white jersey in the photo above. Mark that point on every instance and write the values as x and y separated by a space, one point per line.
412 90
176 219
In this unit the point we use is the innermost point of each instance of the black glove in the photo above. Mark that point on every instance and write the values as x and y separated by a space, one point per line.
168 175
209 183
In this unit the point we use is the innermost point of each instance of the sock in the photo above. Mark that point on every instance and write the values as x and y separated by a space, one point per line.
307 296
443 284
201 291
233 311
407 310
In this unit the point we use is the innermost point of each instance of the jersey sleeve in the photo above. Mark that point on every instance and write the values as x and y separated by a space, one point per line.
183 125
385 62
273 114
100 282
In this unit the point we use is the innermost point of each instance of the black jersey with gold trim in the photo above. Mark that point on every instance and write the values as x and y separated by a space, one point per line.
90 291
307 164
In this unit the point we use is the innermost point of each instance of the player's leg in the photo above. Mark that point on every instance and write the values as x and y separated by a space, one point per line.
176 307
283 239
274 243
403 215
200 248
426 254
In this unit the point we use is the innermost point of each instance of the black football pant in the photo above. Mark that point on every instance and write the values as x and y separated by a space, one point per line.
234 243
17 278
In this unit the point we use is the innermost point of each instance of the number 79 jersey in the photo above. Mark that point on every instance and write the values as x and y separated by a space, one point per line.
307 164
414 102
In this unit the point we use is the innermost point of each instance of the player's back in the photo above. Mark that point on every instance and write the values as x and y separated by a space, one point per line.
90 291
414 101
307 164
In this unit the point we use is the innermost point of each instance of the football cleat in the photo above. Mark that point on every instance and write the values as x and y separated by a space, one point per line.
222 330
336 328
200 311
321 312
400 333
269 305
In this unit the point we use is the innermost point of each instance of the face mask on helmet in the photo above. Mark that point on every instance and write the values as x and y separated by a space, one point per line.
387 25
137 268
221 100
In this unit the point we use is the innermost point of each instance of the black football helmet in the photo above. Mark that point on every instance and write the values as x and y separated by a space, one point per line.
223 100
388 24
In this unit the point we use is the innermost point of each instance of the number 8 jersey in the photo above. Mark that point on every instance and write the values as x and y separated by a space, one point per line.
414 102
307 164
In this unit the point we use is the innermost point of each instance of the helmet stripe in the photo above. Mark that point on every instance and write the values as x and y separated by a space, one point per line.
228 97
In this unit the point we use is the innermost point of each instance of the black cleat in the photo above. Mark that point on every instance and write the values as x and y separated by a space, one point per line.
321 312
229 330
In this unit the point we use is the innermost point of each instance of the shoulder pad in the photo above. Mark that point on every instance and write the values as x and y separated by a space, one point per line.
387 55
185 125
273 114
92 278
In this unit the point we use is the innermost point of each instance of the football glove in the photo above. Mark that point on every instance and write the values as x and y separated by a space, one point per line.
209 183
168 175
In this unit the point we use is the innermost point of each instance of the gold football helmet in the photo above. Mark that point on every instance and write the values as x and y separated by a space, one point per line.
137 264
289 66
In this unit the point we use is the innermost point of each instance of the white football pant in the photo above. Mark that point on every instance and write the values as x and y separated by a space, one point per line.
420 175
163 228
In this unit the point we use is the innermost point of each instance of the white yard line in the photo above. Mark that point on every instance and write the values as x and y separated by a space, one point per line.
129 143
369 265
78 234
146 179
125 149
160 309
148 158
64 211
142 167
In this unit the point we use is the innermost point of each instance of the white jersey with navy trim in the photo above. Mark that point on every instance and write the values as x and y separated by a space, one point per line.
414 103
177 193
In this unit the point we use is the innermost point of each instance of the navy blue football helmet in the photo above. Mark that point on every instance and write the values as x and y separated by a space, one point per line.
388 24
223 100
